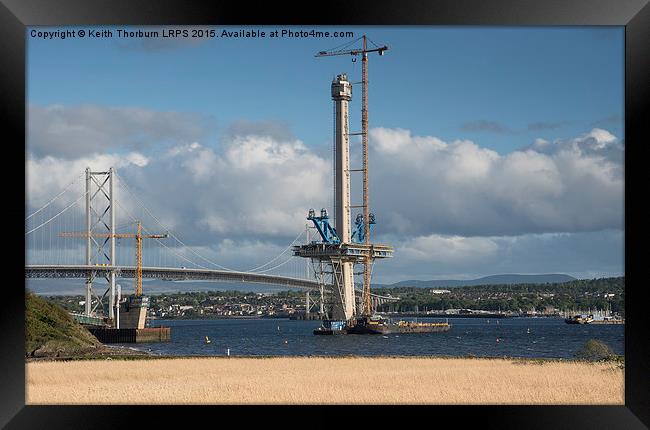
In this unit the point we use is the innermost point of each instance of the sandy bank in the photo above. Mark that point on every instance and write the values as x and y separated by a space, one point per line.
302 380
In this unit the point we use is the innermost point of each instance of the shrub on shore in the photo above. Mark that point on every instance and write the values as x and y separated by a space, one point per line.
51 331
595 350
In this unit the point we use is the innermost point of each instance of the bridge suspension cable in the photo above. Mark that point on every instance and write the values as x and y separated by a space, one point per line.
279 255
159 241
181 254
56 197
277 266
55 216
122 183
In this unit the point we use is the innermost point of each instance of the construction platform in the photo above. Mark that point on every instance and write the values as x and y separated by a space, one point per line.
131 335
352 251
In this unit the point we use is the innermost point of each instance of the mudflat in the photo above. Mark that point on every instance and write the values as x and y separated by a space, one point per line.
323 380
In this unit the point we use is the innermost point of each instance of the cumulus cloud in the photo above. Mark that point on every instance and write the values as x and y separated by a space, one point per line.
459 188
594 141
77 131
254 187
446 206
257 184
48 176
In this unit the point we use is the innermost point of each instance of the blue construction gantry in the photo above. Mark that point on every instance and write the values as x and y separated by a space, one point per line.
322 224
359 235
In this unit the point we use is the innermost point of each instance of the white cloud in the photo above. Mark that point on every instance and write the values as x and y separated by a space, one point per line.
422 185
597 143
48 176
602 137
448 249
254 186
137 159
448 207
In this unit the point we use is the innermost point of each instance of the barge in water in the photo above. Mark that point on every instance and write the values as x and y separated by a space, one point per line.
379 325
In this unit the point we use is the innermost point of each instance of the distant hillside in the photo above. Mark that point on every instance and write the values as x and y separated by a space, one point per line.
486 280
50 331
75 287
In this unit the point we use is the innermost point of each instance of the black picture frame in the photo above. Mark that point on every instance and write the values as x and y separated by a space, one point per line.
16 15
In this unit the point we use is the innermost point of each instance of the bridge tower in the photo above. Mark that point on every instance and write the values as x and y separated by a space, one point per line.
338 249
345 303
100 221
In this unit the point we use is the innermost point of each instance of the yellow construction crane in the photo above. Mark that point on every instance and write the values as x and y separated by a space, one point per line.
138 248
367 303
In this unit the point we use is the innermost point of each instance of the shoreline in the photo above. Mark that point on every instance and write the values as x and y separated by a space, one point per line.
324 380
387 315
127 353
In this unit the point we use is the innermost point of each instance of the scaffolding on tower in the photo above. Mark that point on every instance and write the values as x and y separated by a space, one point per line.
340 248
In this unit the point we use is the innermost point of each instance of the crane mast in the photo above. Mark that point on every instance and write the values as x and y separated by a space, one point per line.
367 305
364 51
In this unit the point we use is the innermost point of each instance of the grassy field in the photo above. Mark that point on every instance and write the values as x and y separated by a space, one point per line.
303 380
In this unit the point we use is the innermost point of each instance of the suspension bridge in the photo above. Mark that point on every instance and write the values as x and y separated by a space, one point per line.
76 235
66 238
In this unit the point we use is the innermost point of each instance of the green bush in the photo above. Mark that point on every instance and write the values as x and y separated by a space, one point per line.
49 328
594 350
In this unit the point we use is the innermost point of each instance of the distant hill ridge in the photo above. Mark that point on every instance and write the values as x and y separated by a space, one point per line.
151 287
487 280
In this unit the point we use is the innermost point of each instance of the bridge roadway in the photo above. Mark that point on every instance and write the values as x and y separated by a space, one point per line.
173 274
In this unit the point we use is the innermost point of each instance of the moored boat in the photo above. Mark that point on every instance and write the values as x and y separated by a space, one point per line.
330 327
579 319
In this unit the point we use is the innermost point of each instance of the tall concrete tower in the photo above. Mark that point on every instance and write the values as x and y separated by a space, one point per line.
342 250
342 94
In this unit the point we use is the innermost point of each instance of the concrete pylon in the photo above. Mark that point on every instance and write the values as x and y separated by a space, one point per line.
344 304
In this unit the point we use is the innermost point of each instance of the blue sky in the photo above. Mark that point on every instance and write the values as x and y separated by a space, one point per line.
501 88
433 80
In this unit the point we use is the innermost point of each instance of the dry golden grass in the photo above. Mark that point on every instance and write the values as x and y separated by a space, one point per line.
304 380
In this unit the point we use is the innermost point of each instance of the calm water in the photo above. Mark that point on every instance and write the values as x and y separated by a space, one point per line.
548 337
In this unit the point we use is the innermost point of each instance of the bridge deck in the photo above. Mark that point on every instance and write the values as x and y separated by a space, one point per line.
171 274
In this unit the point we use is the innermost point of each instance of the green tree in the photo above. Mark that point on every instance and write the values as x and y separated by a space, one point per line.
594 350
